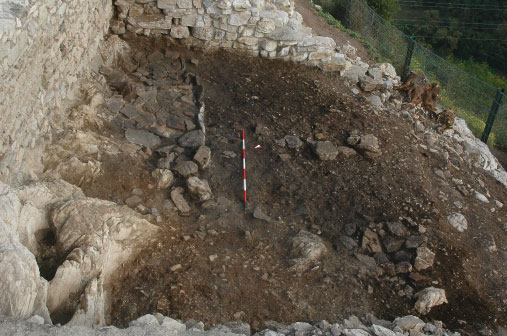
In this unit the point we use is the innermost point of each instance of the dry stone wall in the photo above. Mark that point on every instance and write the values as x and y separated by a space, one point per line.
266 28
45 46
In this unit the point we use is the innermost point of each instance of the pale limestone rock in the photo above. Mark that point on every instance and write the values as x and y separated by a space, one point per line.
429 298
91 309
307 248
457 221
97 236
199 188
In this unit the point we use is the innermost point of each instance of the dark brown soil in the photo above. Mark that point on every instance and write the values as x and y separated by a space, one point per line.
250 277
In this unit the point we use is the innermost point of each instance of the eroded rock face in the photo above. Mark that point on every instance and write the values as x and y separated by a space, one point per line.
97 236
22 290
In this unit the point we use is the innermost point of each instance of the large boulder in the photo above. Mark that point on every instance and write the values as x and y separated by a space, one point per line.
97 236
307 248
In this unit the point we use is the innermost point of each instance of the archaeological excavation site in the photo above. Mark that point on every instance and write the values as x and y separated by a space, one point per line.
122 179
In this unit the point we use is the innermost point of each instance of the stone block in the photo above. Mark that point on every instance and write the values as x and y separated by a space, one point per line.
239 19
163 4
180 32
184 3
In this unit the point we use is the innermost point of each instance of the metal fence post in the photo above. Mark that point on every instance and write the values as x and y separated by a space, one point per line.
492 114
408 58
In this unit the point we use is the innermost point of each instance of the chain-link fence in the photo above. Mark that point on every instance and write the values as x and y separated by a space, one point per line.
471 98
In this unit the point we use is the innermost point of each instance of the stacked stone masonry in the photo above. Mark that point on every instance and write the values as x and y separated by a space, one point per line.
45 46
271 29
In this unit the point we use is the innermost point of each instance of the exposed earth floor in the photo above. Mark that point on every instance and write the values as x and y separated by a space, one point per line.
219 263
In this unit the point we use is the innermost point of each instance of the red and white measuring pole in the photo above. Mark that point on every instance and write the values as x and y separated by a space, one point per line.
244 166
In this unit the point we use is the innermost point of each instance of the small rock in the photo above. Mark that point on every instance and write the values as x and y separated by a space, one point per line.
355 332
374 100
172 324
175 268
381 258
348 243
371 242
293 141
213 257
186 168
345 151
239 328
179 200
424 259
165 162
325 150
397 228
144 321
141 137
369 143
350 228
133 200
403 267
199 188
457 221
193 139
261 215
409 322
415 241
392 244
203 157
229 154
429 298
481 197
402 256
164 178
307 249
381 331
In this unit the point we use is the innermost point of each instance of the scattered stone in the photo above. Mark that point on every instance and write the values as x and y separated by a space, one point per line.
424 259
307 249
371 242
397 229
142 137
345 151
369 143
186 168
402 256
179 200
355 332
392 244
366 83
175 268
429 298
261 215
350 228
381 258
239 328
229 154
203 157
293 141
413 242
381 331
193 139
409 322
164 178
325 150
144 321
403 267
374 100
199 188
348 243
165 162
133 201
457 221
213 257
481 197
172 324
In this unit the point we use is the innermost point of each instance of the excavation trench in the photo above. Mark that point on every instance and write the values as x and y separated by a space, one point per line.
216 263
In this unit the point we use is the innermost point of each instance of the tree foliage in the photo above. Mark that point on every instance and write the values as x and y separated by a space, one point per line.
385 8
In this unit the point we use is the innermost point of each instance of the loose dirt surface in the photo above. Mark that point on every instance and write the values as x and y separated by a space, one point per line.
220 263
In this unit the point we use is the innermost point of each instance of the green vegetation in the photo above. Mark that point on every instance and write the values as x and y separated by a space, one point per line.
462 29
385 8
481 70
